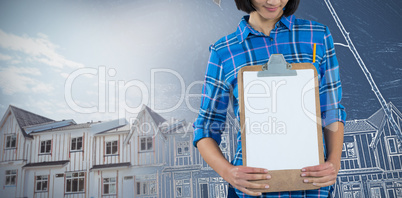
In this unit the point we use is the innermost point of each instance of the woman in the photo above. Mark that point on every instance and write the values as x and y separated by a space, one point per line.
269 29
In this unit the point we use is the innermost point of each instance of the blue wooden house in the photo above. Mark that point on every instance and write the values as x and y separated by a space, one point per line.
371 158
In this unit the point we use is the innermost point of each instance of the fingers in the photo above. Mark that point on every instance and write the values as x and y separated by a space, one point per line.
320 175
253 177
245 187
250 173
249 192
247 169
243 180
320 167
319 170
248 185
242 177
321 181
250 177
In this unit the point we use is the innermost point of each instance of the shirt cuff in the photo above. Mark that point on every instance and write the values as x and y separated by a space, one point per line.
203 133
333 115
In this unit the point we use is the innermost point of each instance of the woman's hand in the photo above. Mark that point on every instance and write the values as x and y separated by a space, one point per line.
240 177
326 174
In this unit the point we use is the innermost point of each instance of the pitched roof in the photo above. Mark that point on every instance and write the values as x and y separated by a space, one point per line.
395 113
377 118
26 118
69 127
353 126
175 126
160 122
155 116
114 130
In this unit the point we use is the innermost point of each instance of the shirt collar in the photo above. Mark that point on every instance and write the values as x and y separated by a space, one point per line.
244 29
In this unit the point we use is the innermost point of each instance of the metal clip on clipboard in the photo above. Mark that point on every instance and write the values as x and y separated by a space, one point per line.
276 66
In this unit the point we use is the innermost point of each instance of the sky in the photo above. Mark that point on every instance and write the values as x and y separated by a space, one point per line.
102 60
94 60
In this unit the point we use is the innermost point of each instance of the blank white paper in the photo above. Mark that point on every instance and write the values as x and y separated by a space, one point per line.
280 118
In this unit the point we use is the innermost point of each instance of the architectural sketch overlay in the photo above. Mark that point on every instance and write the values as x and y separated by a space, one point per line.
366 72
371 158
41 157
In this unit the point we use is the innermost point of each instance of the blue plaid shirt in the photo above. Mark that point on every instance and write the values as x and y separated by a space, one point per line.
294 38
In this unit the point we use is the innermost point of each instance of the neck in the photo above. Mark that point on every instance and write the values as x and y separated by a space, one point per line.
261 24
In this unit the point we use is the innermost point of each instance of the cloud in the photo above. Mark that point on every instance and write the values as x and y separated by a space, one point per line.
14 62
50 106
64 75
5 57
38 49
19 79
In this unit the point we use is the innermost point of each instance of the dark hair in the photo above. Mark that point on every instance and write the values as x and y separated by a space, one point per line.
246 6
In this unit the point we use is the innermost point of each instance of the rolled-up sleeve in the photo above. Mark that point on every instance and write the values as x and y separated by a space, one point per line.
330 85
214 101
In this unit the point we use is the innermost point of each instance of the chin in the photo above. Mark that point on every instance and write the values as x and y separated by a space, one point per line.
271 16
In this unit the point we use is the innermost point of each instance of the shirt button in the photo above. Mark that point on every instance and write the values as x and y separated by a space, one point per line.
277 25
272 39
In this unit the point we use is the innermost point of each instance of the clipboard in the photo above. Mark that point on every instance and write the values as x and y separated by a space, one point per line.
280 121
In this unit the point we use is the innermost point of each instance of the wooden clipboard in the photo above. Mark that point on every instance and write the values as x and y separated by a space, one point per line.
300 132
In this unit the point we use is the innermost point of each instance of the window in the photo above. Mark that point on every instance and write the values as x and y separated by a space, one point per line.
41 183
11 141
375 192
220 190
352 190
204 190
398 192
75 182
76 144
183 148
182 188
146 144
11 177
59 175
391 193
109 186
224 143
45 146
392 145
351 149
146 187
179 192
111 148
344 151
138 188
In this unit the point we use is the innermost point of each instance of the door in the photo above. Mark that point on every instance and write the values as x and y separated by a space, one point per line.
58 186
128 186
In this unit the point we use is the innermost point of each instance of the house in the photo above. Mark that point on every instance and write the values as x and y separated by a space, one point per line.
41 157
371 158
15 149
152 157
155 157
